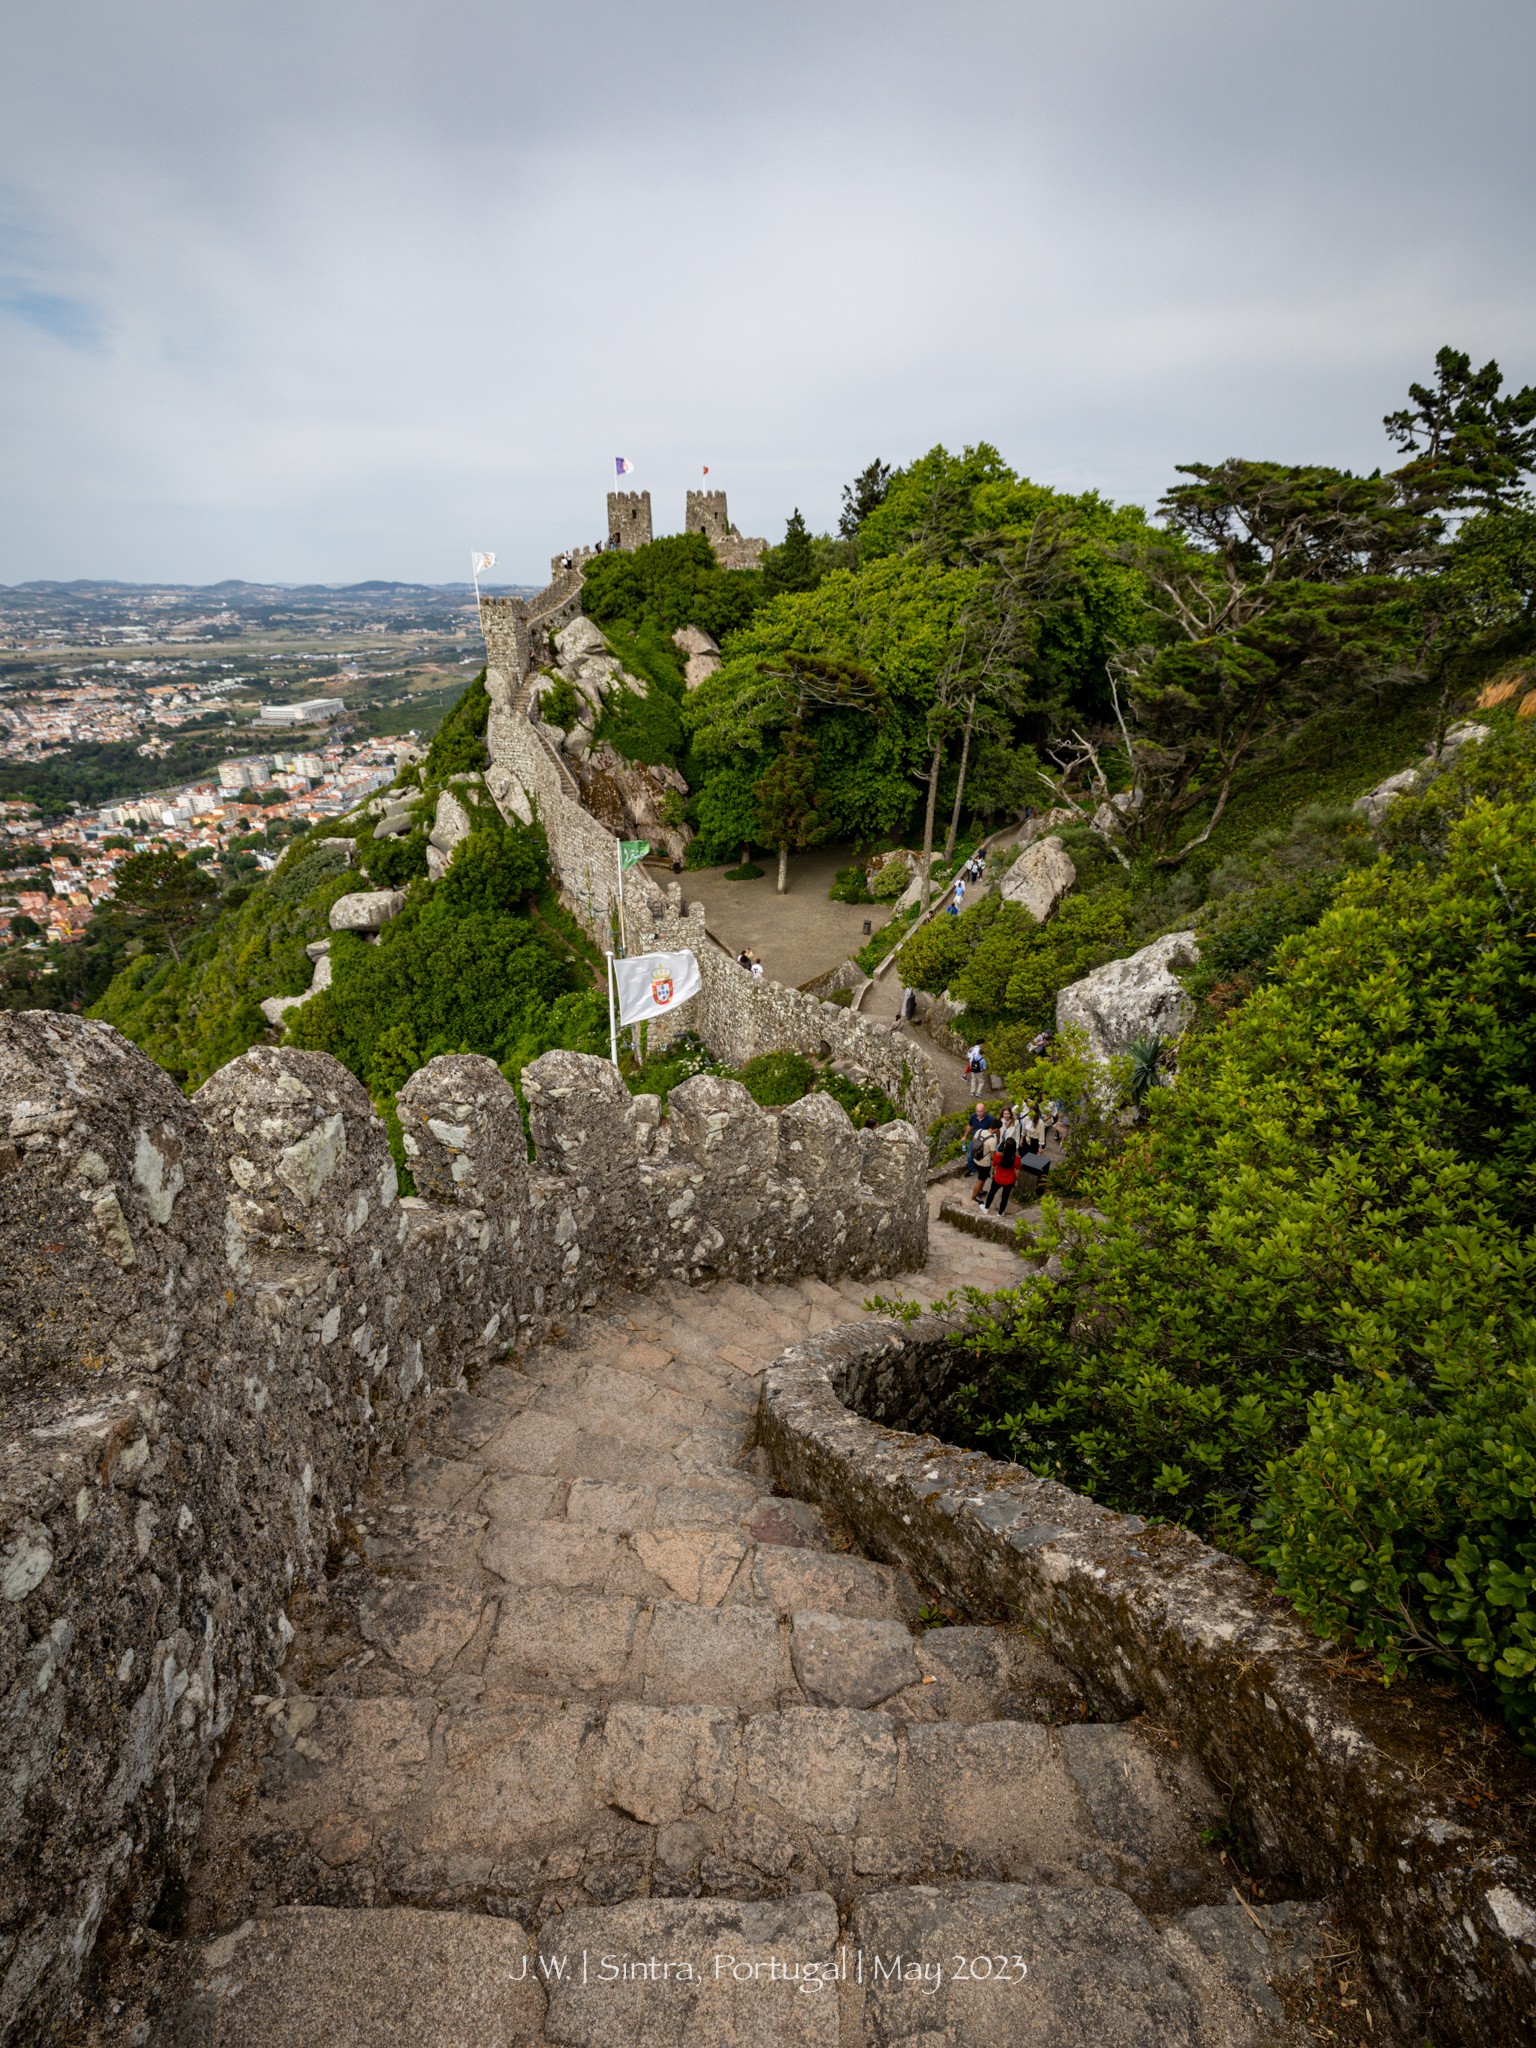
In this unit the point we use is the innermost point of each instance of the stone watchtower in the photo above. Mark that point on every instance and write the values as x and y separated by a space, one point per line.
706 514
629 517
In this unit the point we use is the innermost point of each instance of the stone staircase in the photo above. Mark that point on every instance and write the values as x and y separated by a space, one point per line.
592 1739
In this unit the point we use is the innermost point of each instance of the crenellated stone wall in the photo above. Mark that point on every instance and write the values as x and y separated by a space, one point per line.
212 1312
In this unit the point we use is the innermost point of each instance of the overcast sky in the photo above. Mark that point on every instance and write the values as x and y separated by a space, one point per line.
324 290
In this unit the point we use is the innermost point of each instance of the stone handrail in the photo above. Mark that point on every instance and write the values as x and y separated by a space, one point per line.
1339 1784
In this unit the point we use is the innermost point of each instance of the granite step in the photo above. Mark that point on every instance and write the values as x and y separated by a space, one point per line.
968 1965
526 1805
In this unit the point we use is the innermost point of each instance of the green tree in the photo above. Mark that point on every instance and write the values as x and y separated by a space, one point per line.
788 806
791 565
1470 442
164 892
863 496
1281 601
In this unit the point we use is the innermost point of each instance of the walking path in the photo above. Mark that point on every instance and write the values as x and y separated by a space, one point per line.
595 1740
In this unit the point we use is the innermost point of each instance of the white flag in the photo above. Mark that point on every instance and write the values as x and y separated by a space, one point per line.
655 984
482 563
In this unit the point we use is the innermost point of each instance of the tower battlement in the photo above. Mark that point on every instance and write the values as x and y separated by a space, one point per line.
629 519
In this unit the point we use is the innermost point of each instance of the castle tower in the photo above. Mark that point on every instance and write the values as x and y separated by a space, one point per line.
706 514
629 517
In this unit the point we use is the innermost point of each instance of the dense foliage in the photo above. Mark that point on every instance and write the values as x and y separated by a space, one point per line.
669 583
1298 1314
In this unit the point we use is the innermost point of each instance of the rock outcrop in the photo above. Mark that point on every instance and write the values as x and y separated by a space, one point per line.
452 824
701 651
1374 805
367 910
1039 878
1132 999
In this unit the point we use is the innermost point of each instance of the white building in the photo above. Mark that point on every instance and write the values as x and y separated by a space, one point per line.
314 711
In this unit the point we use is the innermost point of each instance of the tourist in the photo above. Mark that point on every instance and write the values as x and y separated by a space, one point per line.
983 1153
908 1005
1005 1171
960 890
756 966
976 1068
744 959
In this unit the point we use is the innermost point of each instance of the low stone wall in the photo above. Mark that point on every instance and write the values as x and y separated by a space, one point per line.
1343 1788
212 1311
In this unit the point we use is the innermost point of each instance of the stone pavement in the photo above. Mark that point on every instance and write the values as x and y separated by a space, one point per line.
592 1739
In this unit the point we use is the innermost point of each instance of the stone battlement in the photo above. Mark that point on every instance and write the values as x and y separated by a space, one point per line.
213 1311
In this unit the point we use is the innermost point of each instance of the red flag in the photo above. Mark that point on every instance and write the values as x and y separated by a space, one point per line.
706 469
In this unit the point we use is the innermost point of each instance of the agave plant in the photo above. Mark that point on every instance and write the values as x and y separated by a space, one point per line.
1144 1056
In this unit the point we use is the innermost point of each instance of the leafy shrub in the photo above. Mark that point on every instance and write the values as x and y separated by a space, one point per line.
561 706
1006 969
391 863
666 1070
749 871
777 1077
866 1105
849 886
458 745
670 583
890 882
1299 1319
495 870
306 867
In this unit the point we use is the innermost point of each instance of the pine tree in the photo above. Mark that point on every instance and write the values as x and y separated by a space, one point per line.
792 565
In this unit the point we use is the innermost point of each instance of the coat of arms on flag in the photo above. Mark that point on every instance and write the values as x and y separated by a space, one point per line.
654 984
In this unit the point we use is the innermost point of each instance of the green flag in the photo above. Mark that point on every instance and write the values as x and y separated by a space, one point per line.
631 850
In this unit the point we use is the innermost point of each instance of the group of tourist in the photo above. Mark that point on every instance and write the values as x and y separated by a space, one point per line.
1001 1146
967 878
750 961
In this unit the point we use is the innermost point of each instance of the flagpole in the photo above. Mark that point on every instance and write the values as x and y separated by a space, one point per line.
613 1020
618 854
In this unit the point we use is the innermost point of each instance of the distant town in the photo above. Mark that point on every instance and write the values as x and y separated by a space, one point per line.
216 722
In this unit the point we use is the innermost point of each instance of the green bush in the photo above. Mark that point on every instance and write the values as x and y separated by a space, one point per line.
849 886
749 871
890 883
777 1077
1006 969
866 1104
1299 1319
664 1071
670 583
391 863
458 745
561 706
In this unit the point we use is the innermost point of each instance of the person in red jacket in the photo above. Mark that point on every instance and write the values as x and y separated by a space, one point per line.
1005 1171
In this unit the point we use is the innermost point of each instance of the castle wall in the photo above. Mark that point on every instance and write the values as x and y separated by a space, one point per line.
212 1312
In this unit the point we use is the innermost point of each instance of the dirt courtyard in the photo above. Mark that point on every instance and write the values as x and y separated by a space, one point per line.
797 935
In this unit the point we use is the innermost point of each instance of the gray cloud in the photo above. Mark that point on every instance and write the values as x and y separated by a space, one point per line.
334 292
